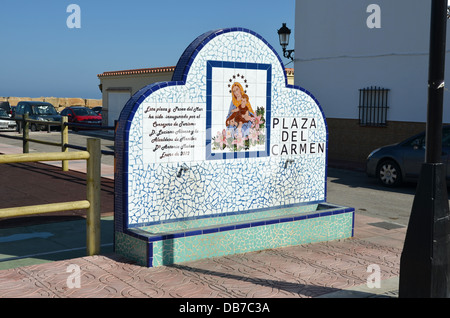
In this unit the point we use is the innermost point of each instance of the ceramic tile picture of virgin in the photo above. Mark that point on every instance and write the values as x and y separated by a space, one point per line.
238 104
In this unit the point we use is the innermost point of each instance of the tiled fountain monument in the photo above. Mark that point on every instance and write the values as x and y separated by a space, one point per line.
226 158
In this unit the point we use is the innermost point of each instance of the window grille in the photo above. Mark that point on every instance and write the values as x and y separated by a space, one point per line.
373 106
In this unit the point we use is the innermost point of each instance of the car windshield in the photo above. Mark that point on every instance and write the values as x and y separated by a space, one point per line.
44 110
446 138
3 113
84 112
418 142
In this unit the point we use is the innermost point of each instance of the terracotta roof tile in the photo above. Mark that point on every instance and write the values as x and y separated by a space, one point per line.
139 71
289 71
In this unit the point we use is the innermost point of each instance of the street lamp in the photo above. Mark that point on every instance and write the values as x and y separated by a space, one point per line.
284 34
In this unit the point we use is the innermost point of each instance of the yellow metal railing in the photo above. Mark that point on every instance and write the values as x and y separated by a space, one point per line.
93 190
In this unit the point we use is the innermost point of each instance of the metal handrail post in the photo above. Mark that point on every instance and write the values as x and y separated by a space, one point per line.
26 133
64 141
93 195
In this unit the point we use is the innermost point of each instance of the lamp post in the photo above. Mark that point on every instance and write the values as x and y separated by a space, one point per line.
424 263
284 33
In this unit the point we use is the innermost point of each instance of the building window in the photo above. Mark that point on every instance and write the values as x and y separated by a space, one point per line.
373 106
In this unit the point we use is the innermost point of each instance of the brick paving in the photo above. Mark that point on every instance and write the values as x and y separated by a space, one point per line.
38 183
329 269
306 271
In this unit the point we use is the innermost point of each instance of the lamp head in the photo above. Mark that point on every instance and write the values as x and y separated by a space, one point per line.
284 34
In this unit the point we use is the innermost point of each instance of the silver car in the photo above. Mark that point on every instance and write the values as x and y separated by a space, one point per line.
402 162
5 120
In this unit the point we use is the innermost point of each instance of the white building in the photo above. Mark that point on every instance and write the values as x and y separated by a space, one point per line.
344 46
118 86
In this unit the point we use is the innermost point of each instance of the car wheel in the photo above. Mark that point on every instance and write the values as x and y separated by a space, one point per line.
389 173
33 127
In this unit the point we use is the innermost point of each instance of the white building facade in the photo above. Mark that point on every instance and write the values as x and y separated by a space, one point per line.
345 46
118 86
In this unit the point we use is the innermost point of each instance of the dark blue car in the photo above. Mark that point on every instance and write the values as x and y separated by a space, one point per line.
44 112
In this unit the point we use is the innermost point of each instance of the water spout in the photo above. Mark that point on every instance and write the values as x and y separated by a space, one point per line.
288 162
183 168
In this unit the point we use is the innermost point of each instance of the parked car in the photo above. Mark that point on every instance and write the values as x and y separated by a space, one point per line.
7 107
98 110
402 162
37 111
82 115
6 124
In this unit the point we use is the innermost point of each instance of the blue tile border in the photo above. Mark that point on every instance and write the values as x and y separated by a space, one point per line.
248 226
240 225
210 155
227 214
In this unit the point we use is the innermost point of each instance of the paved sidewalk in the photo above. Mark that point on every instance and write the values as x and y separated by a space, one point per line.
337 269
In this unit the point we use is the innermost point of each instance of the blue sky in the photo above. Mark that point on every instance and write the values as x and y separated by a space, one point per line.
41 56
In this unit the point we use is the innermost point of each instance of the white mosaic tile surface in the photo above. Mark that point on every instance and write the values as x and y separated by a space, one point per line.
211 187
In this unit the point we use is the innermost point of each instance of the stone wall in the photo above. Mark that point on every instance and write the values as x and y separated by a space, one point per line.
59 102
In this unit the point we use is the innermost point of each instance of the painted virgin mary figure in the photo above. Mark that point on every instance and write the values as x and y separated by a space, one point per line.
239 115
